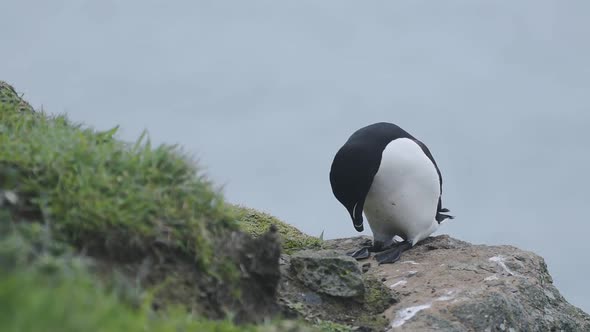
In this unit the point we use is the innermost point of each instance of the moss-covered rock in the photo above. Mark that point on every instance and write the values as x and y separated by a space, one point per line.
377 299
256 223
305 296
328 272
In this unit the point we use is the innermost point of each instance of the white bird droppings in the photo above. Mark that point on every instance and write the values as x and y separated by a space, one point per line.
410 262
404 315
445 298
399 283
491 278
501 261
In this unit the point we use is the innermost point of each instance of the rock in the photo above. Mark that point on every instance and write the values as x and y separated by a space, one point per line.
361 313
329 272
259 262
451 285
442 284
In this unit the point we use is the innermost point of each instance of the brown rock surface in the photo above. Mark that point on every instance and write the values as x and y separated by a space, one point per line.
444 284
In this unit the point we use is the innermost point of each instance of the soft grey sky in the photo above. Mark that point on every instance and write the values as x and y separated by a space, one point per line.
265 92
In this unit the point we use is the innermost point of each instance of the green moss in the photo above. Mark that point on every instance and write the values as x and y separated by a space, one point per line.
377 296
326 326
257 223
377 299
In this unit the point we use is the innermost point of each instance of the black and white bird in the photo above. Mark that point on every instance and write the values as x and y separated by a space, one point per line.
392 177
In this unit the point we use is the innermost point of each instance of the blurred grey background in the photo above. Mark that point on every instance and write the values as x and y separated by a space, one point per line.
265 92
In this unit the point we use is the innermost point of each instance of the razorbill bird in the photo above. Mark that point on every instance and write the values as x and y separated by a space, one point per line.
392 177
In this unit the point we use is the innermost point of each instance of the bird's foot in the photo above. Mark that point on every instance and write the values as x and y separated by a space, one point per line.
365 252
393 254
361 253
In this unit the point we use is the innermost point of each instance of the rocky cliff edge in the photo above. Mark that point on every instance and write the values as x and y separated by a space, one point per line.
442 284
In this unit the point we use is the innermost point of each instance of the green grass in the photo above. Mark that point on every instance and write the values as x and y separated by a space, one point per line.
84 190
119 202
97 190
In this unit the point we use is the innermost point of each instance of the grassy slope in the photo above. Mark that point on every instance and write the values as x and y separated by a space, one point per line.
97 189
92 191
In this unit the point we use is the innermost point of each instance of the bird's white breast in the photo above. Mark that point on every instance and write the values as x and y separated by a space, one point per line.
404 195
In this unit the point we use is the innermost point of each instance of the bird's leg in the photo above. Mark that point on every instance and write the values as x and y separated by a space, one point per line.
392 254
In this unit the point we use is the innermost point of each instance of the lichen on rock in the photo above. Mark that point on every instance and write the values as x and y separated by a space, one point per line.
328 272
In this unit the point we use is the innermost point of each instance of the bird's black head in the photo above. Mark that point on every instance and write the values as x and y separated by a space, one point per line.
351 176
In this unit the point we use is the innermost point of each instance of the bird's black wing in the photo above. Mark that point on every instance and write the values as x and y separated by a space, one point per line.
440 217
